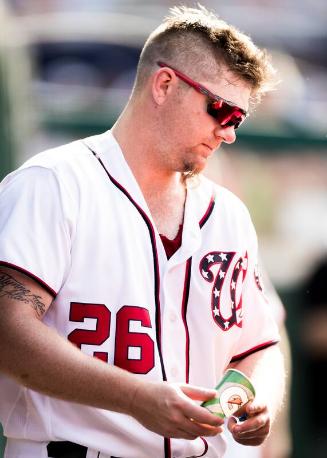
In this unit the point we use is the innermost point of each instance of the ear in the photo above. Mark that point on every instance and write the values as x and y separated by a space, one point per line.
163 83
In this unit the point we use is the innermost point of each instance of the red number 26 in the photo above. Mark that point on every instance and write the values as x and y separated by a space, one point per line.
134 349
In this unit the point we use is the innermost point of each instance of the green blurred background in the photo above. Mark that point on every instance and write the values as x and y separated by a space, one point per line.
66 69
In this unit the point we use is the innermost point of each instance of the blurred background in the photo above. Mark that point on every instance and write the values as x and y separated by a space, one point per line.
66 71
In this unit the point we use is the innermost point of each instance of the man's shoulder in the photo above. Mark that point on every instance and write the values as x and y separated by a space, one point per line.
58 156
221 195
71 165
71 154
74 158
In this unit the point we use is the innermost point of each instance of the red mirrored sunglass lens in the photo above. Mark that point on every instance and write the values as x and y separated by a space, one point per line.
225 114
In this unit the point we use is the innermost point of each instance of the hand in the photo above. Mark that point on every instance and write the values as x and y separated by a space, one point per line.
255 429
169 410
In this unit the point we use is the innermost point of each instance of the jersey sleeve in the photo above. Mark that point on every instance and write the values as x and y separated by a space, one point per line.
34 232
277 307
259 327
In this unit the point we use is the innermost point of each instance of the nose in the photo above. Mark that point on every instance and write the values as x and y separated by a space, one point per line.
226 133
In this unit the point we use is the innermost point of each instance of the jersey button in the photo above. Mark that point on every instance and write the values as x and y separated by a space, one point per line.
172 317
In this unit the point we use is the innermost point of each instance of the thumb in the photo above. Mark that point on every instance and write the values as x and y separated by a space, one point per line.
231 423
198 393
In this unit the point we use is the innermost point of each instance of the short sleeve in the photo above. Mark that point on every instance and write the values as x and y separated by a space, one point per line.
34 232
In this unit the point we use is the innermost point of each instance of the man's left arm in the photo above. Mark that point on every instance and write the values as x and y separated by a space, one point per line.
266 370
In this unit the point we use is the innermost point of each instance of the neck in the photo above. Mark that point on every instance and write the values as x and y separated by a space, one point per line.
163 190
139 147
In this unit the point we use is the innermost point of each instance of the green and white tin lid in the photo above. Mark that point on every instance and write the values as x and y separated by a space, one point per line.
234 390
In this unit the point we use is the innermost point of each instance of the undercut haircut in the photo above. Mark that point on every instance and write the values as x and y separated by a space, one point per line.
200 44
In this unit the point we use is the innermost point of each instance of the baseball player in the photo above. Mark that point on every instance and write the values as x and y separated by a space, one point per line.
127 281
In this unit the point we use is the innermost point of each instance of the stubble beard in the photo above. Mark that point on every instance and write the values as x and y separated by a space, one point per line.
190 169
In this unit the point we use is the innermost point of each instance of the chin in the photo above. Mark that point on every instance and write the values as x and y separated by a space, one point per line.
197 165
193 169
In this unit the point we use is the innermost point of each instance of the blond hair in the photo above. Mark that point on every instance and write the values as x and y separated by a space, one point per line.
199 43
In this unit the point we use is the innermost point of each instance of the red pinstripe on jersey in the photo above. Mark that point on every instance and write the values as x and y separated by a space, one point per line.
206 447
207 214
186 292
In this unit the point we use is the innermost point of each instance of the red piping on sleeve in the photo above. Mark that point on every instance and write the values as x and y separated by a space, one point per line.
29 274
254 349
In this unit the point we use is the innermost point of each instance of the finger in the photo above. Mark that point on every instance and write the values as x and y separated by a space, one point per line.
198 393
252 408
231 423
241 411
251 437
246 411
202 415
253 433
201 429
190 431
182 434
242 429
253 441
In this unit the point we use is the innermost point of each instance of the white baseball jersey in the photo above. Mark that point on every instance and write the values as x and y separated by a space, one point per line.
75 219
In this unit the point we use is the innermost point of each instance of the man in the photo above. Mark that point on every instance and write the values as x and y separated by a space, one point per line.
116 246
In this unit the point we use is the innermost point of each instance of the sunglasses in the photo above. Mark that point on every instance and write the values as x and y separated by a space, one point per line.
225 112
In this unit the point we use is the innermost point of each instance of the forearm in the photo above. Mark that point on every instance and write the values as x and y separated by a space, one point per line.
266 370
39 358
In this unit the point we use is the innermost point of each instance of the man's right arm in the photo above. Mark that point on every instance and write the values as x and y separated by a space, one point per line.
39 358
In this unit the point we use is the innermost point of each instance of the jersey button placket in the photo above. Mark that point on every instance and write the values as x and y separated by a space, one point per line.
172 317
173 327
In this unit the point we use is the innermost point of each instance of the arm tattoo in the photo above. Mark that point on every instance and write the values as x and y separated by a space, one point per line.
12 289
